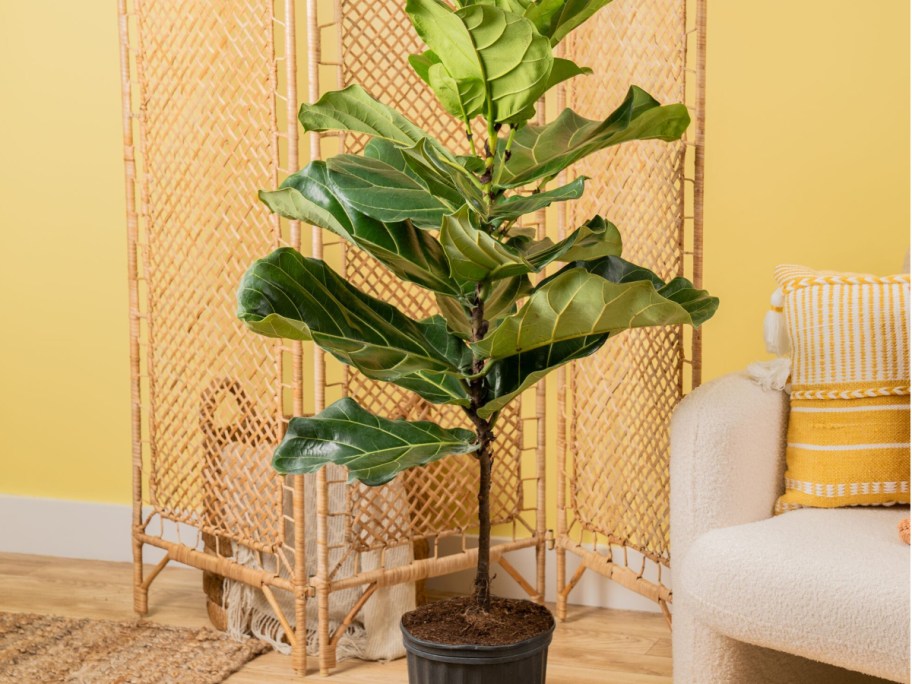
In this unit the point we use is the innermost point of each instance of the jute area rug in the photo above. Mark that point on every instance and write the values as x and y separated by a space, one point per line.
42 648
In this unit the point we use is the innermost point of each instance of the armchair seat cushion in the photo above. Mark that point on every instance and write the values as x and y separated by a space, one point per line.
827 584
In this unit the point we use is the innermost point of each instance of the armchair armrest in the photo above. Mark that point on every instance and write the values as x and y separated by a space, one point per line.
727 457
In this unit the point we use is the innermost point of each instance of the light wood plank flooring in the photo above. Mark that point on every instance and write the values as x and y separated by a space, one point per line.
592 647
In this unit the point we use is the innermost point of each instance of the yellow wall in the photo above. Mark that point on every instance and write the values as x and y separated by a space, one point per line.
807 150
64 383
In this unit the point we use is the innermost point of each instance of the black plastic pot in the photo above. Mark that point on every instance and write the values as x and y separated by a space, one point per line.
433 663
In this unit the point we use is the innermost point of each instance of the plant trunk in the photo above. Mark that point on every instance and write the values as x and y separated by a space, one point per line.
485 434
483 571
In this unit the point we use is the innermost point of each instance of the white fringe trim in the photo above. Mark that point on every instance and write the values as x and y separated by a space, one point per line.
771 375
248 612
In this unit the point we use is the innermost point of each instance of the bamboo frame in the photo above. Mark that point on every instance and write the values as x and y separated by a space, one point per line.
603 543
191 485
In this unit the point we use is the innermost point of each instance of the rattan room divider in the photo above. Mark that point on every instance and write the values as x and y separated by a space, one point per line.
615 407
210 93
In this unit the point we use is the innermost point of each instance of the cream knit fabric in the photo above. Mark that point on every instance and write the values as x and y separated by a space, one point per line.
741 577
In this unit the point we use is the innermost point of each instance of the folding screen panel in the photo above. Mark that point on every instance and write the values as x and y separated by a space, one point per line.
616 405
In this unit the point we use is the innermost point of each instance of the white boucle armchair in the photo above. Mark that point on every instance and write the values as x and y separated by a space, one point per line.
811 596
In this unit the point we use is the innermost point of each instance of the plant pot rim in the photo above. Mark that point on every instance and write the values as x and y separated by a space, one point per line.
481 649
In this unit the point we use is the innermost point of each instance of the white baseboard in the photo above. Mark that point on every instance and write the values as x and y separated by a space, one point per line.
94 531
593 589
69 529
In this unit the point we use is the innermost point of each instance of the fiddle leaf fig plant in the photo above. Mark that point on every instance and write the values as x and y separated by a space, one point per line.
452 224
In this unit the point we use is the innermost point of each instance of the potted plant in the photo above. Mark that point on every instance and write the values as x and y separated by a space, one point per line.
452 224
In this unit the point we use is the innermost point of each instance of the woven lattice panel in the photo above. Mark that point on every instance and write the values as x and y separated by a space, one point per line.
376 38
207 124
622 398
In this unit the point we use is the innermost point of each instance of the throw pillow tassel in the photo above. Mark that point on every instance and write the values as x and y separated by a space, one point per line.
775 332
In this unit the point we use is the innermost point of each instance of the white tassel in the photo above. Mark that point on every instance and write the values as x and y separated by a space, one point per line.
771 375
775 332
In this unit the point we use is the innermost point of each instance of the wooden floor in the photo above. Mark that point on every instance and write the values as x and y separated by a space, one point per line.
592 647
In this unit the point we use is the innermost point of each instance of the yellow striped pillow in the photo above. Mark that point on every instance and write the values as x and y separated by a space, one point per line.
848 434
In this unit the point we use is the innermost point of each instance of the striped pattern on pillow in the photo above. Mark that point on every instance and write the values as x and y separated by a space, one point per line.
848 435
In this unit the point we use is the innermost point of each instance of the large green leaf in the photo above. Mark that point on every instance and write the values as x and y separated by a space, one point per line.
422 63
419 167
456 315
544 151
439 388
502 295
698 303
412 254
445 170
564 70
556 18
494 58
382 192
295 297
500 301
594 239
515 6
373 449
593 298
451 45
447 89
353 109
508 377
519 205
517 61
474 255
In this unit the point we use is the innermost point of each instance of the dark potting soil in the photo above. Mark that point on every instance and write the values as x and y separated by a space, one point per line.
460 621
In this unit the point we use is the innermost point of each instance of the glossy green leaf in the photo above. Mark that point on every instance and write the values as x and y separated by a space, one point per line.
698 303
582 300
471 164
432 71
445 170
502 295
455 315
447 90
564 70
384 193
519 205
594 239
412 254
544 151
496 59
451 45
521 117
373 449
422 63
353 109
511 376
500 301
438 184
556 18
515 6
474 255
295 297
517 61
